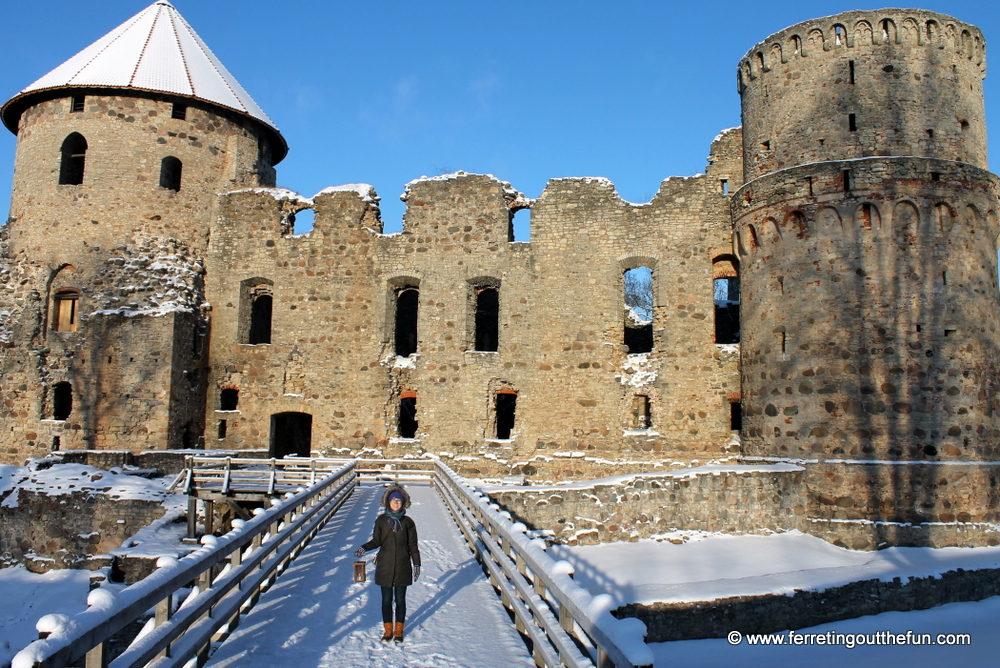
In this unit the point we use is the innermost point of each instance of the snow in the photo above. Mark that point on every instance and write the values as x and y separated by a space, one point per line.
515 199
637 370
28 596
316 613
364 191
64 479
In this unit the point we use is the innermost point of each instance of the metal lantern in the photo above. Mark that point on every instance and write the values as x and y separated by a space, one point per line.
359 571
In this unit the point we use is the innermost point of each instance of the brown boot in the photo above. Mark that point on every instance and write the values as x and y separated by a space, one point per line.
387 634
399 632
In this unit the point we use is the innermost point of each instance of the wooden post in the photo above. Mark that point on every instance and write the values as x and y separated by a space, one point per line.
97 657
209 517
163 613
192 517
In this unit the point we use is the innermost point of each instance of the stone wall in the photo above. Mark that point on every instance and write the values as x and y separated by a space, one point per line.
773 613
46 531
732 499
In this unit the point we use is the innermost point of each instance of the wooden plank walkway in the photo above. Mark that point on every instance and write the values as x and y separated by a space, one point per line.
315 616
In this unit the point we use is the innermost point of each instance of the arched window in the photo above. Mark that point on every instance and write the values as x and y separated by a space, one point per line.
74 158
170 173
65 310
62 400
726 285
256 306
487 319
638 299
229 399
407 301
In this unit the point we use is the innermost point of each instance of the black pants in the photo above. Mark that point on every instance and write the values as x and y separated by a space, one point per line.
387 596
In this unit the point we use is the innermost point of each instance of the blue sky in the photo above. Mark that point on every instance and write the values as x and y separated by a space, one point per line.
383 91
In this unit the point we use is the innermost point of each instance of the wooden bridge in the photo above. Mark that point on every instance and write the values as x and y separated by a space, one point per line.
195 605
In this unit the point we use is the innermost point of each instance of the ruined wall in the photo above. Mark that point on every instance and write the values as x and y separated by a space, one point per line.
561 347
910 79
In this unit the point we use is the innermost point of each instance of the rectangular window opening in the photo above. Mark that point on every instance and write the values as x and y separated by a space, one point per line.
222 429
56 443
944 277
809 181
641 413
506 405
724 184
930 133
79 103
935 176
920 328
179 111
850 67
852 122
847 180
735 417
408 417
949 332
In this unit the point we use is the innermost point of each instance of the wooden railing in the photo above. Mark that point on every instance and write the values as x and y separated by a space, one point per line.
229 573
548 606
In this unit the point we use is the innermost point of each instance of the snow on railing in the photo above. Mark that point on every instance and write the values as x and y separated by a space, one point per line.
548 605
229 573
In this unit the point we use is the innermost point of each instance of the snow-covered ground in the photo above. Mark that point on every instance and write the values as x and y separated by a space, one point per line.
315 615
27 596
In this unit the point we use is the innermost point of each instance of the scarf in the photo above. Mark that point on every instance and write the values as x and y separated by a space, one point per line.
395 517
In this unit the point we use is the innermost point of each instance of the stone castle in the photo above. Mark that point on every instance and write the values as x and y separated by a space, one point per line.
827 288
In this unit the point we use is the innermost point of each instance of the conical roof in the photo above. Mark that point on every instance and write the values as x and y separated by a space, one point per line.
155 50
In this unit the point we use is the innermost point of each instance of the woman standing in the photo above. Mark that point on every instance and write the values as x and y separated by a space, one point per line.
396 535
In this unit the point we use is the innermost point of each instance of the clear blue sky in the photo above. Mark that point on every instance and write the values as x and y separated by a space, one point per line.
382 91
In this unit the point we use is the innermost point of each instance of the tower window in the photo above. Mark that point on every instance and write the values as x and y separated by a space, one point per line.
179 111
254 323
487 319
965 126
506 405
852 122
229 399
850 71
735 416
724 185
78 104
847 180
726 284
407 305
66 310
222 429
170 173
641 416
62 400
74 158
408 415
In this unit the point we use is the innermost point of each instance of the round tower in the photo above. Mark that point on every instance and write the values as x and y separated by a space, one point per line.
866 230
136 133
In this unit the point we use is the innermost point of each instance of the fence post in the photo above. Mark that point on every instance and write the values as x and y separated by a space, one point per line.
97 657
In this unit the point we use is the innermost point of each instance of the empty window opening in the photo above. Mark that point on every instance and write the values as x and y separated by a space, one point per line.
930 133
506 405
735 416
850 70
965 126
838 32
303 221
726 286
56 443
79 103
170 173
179 111
638 296
852 122
949 332
62 401
407 304
260 320
847 180
229 399
74 159
640 412
520 225
822 141
935 176
920 328
766 145
809 182
724 186
944 277
488 320
66 307
291 434
222 429
408 415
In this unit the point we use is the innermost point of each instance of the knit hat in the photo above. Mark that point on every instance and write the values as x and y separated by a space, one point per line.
396 494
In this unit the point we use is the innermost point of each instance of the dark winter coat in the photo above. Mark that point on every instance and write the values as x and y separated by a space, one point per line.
397 550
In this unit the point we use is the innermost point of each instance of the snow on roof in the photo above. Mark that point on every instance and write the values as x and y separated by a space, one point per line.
155 50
